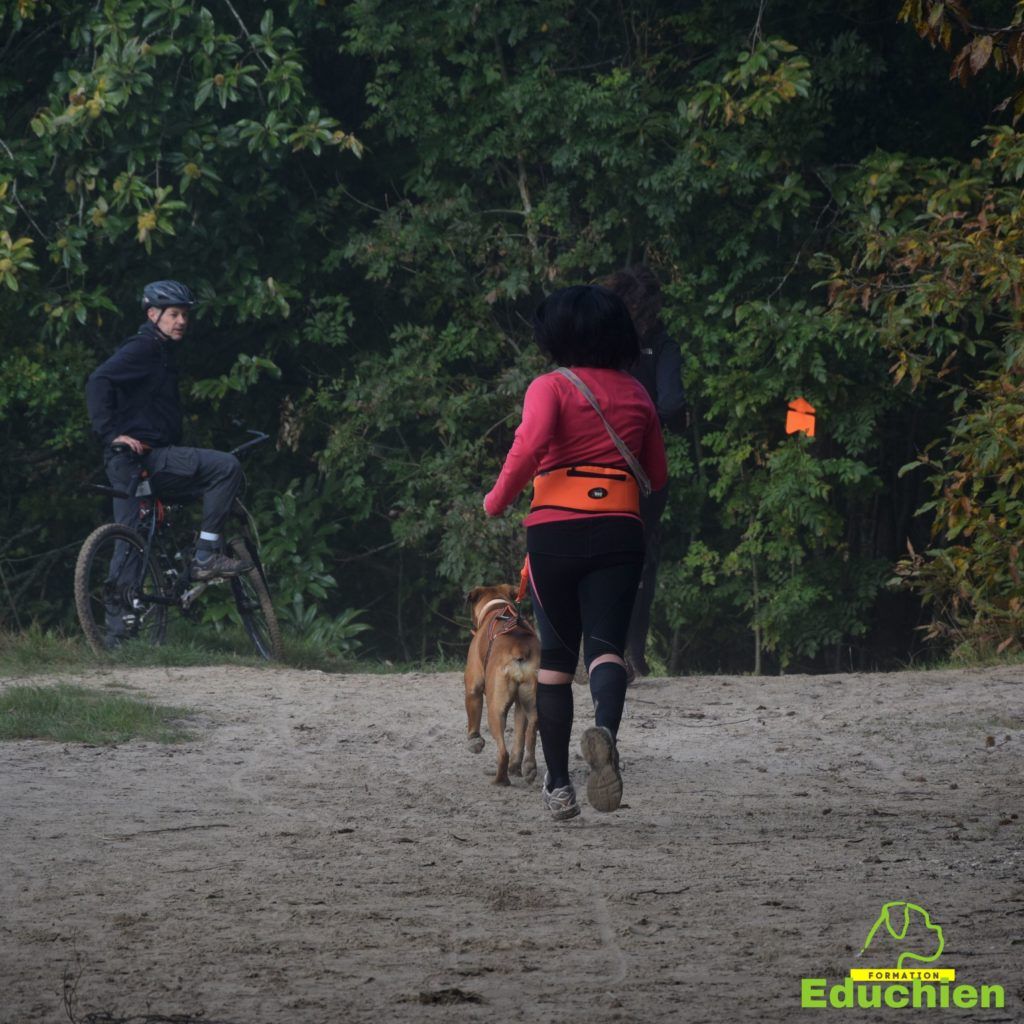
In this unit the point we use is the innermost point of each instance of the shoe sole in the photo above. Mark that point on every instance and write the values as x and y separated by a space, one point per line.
565 815
205 577
604 786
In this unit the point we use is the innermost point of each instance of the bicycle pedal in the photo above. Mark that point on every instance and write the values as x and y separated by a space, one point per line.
190 595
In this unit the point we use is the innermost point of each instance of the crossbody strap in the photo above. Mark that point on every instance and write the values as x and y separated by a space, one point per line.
631 460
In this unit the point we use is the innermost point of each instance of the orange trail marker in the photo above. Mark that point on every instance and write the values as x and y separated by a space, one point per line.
800 417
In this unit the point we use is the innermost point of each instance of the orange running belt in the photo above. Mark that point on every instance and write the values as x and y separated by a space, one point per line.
596 489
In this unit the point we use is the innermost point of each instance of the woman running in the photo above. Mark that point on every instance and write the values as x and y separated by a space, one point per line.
591 441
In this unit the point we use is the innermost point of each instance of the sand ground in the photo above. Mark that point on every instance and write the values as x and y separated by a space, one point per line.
327 850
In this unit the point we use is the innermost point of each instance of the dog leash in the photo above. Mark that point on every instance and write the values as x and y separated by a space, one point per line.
524 579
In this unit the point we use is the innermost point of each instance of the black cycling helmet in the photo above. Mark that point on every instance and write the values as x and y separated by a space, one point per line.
168 293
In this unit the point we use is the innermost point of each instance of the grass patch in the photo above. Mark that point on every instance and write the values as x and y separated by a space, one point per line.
36 651
181 653
972 656
300 652
76 714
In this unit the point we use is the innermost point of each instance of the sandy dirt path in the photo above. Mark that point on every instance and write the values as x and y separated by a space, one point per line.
328 850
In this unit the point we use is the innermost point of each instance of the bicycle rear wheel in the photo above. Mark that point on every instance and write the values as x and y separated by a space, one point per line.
255 609
114 590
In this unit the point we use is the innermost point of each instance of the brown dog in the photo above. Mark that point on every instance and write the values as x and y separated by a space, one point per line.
502 665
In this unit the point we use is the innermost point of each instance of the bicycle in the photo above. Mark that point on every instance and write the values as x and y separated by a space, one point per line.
126 579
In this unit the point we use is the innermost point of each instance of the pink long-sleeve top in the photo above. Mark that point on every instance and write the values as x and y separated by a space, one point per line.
560 428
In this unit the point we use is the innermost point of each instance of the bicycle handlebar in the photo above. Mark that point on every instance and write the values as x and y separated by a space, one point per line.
258 438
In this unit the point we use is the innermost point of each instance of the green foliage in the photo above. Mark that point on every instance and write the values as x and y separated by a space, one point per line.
336 634
560 174
296 546
243 375
371 197
935 268
139 141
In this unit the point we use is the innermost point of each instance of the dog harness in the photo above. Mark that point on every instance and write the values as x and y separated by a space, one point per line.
508 621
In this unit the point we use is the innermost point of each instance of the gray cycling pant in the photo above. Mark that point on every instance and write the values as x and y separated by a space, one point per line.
173 473
178 473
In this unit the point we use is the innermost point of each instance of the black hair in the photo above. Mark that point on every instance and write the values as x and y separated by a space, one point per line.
639 289
586 325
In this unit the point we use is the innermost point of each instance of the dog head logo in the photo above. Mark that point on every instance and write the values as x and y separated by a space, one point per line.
905 930
904 944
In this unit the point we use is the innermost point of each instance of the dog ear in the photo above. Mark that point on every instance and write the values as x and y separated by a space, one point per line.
474 595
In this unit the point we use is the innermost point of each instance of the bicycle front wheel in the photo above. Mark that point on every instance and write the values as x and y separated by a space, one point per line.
255 609
118 590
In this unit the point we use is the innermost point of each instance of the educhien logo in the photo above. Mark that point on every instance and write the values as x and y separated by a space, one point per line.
906 932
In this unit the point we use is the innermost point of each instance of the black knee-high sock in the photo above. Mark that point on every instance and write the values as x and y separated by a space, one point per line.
554 721
608 688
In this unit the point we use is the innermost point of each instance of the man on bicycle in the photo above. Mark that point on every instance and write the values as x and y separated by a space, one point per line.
135 410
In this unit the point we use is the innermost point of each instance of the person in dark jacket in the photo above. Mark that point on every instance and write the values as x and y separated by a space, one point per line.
659 369
135 410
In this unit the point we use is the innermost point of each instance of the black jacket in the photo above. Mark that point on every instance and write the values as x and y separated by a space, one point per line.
659 369
135 392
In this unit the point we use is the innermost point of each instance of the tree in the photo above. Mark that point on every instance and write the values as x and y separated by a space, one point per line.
147 140
372 197
934 271
536 155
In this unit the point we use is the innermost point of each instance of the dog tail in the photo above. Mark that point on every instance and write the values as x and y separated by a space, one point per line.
523 668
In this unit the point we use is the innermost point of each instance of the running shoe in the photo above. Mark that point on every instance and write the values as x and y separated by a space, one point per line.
219 567
561 802
604 785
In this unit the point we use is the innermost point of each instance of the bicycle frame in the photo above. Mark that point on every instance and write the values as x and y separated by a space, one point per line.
152 517
129 573
152 513
167 552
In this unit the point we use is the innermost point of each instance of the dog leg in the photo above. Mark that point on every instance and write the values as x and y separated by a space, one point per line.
496 718
528 703
474 712
515 765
